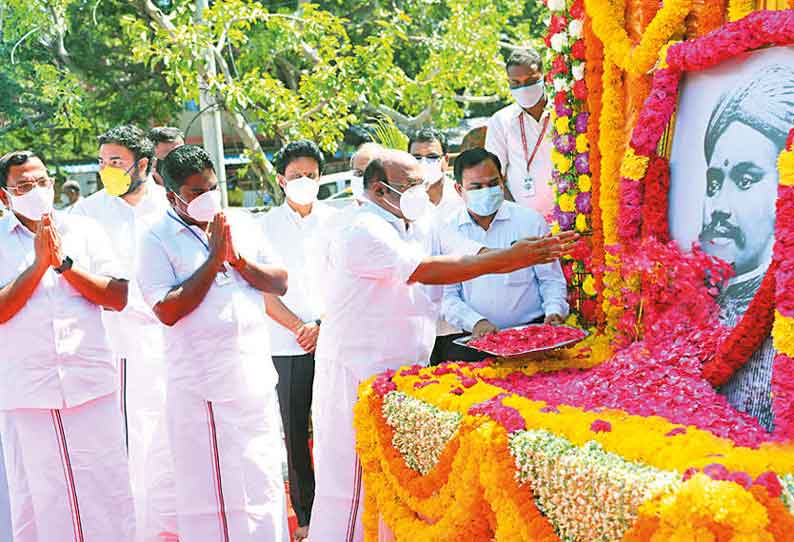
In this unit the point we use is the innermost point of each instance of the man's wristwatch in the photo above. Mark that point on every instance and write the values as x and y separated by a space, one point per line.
318 321
65 266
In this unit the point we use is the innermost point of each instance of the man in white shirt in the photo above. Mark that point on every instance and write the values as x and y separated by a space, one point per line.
135 333
60 423
520 135
295 322
488 303
204 274
70 195
429 146
165 139
379 317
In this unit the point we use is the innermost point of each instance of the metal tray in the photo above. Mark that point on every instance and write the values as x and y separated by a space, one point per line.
464 341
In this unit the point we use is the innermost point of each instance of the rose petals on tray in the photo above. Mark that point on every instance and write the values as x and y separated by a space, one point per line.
532 338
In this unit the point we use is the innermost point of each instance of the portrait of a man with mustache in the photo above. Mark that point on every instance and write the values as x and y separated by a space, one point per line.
745 134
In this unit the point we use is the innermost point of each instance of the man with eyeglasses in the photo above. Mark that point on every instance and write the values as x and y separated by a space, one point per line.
520 135
204 273
59 417
125 208
379 317
165 139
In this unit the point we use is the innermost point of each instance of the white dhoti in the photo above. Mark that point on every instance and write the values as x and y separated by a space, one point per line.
228 466
339 491
5 511
141 399
68 474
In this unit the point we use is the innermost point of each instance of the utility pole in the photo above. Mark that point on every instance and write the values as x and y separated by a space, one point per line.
211 127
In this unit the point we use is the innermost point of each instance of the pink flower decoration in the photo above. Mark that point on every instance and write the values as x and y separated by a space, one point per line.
601 426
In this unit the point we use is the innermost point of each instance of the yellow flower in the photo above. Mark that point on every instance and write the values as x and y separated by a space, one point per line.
581 222
785 165
567 203
555 228
588 287
582 144
585 183
783 333
634 166
562 125
561 162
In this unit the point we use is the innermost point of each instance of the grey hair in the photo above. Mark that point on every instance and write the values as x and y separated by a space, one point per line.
525 57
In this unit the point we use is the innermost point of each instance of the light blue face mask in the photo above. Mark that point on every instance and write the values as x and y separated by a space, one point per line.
485 201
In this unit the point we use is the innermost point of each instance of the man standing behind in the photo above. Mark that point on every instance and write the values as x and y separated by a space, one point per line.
292 229
520 135
60 423
165 139
379 317
70 195
486 304
204 274
130 203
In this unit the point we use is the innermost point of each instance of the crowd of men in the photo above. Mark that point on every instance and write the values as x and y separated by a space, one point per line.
153 338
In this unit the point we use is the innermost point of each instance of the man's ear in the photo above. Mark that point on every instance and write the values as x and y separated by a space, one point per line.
4 198
143 165
459 189
282 181
171 197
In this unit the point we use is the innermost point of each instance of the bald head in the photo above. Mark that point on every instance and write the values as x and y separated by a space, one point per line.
397 168
365 154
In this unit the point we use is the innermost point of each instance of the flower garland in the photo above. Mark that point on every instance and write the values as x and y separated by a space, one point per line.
608 26
783 331
566 69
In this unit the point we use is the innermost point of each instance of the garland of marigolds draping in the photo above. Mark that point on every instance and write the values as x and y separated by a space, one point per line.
510 453
637 211
566 68
608 26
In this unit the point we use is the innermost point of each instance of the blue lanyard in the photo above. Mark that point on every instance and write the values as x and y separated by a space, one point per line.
190 229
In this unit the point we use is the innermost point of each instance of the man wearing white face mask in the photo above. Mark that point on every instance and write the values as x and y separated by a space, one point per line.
486 304
520 135
292 229
129 204
204 274
379 317
59 419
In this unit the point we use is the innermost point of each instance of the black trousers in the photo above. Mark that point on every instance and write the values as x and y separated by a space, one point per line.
295 381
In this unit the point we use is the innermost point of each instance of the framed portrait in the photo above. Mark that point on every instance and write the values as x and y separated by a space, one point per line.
732 123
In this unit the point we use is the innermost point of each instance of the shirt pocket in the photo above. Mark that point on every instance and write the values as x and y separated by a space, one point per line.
521 277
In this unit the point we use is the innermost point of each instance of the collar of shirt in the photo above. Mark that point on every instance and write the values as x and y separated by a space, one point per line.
12 222
517 110
301 221
502 214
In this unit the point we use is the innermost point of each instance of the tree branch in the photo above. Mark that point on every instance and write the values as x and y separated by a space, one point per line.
401 120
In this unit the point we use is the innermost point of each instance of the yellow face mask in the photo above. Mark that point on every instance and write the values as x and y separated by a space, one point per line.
117 181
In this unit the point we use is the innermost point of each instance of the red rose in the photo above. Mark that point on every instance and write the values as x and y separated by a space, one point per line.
578 50
561 98
577 9
580 90
589 308
559 65
558 24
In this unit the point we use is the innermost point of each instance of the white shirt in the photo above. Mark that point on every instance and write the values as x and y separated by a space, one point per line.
125 225
374 319
55 353
293 239
503 138
221 350
447 208
506 299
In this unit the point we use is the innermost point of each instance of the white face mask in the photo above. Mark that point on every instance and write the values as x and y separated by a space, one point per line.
357 186
34 204
302 191
528 95
431 170
414 202
205 207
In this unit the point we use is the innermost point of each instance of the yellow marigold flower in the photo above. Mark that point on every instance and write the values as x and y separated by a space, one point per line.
585 183
588 287
633 166
563 125
567 203
561 162
785 165
582 143
581 222
555 228
783 334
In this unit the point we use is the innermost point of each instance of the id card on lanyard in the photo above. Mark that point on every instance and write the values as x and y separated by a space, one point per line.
223 277
529 181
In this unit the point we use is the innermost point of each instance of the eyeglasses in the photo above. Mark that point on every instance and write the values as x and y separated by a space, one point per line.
412 183
23 188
